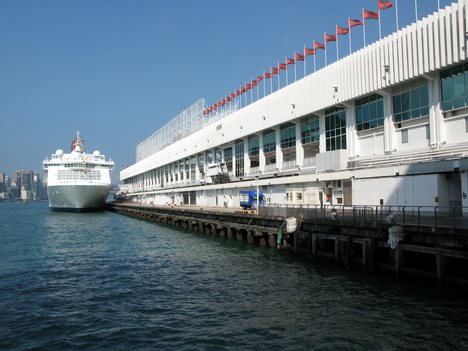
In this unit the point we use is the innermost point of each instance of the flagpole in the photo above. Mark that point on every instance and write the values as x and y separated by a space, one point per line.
279 72
337 41
363 28
287 66
305 67
349 39
416 9
396 14
295 71
271 82
326 61
314 56
258 88
264 83
380 26
251 91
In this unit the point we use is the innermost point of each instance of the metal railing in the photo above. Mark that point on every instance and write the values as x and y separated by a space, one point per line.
433 216
289 164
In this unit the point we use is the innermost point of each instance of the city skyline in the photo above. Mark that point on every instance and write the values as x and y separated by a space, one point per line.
118 71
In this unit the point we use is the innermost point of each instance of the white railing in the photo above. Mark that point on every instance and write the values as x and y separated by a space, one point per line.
289 164
309 161
270 168
254 170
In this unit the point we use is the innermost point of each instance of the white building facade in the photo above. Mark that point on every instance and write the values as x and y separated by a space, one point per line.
387 125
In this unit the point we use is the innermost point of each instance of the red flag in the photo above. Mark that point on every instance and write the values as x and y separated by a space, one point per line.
308 51
232 96
298 57
247 86
228 98
318 45
219 103
341 30
274 70
223 102
282 66
242 90
267 75
385 4
238 92
215 106
354 23
259 79
254 83
290 61
330 37
370 15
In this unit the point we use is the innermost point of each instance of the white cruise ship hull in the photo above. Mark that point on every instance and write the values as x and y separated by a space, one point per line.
77 197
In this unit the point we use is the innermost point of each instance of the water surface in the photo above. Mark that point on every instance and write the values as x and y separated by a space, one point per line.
97 281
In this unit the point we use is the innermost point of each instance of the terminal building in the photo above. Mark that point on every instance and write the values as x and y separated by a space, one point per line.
386 125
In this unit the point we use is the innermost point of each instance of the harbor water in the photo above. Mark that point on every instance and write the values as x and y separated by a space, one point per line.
102 281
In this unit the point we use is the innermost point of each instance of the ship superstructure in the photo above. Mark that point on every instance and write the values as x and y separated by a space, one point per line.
77 181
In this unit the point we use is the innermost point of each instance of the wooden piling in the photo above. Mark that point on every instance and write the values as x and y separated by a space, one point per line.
440 264
271 241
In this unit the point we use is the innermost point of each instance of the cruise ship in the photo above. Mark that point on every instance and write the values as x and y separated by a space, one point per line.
77 181
384 125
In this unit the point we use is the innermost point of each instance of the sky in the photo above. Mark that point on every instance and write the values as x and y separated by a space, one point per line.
118 70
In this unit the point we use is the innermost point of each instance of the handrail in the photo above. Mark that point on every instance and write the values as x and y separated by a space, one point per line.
434 216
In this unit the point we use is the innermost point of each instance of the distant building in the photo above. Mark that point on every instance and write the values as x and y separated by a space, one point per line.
2 185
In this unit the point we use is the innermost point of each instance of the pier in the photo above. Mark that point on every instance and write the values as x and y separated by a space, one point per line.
428 243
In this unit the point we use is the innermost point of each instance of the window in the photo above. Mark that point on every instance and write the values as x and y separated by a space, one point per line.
428 131
454 87
404 136
310 132
218 155
335 128
411 104
253 146
239 152
269 140
466 124
193 165
288 135
227 154
369 112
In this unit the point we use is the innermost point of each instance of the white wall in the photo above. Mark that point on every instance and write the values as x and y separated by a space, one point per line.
370 144
419 190
410 53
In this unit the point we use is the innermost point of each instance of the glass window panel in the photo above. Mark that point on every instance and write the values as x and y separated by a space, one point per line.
404 136
424 96
405 102
458 91
447 95
397 104
414 99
